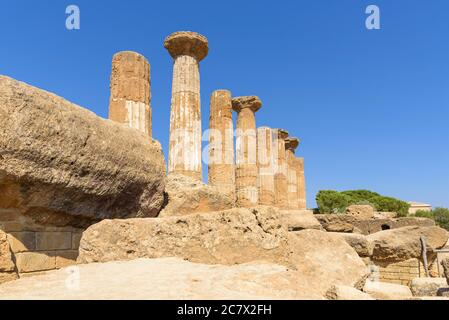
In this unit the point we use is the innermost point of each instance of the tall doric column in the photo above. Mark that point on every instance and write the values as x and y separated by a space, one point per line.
280 176
301 183
247 193
221 143
131 91
265 165
292 177
187 50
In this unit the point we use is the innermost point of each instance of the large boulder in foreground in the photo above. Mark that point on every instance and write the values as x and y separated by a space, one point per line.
166 278
401 244
187 196
225 237
7 267
230 237
387 291
325 260
62 165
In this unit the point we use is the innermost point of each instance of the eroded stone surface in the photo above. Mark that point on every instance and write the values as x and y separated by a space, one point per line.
293 199
63 165
165 278
346 293
187 43
280 176
266 165
445 264
185 196
131 91
7 265
359 242
360 211
225 237
246 172
230 237
387 291
297 220
221 143
404 243
427 287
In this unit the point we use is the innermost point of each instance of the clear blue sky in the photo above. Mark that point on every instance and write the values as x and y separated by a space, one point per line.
371 106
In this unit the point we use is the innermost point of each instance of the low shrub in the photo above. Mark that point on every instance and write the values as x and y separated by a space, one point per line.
440 215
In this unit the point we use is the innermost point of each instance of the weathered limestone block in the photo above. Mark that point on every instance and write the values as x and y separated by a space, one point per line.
292 176
412 221
350 223
301 183
336 222
131 91
404 243
266 166
221 143
387 291
325 260
7 265
186 196
280 176
225 237
359 242
346 293
445 264
236 236
427 287
297 220
360 211
187 49
61 164
246 174
35 261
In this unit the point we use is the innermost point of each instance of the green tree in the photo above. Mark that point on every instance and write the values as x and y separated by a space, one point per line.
361 196
330 201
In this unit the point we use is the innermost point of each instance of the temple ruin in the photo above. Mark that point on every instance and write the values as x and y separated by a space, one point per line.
76 188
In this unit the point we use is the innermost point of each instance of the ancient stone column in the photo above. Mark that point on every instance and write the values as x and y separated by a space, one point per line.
280 176
292 177
221 143
265 165
131 91
246 172
301 183
187 50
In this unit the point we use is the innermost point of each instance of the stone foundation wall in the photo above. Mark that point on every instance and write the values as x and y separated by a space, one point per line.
400 273
37 248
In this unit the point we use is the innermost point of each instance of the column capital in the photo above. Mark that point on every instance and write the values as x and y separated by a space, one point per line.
282 134
251 102
291 143
187 43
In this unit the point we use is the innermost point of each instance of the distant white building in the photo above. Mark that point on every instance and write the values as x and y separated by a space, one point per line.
415 206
